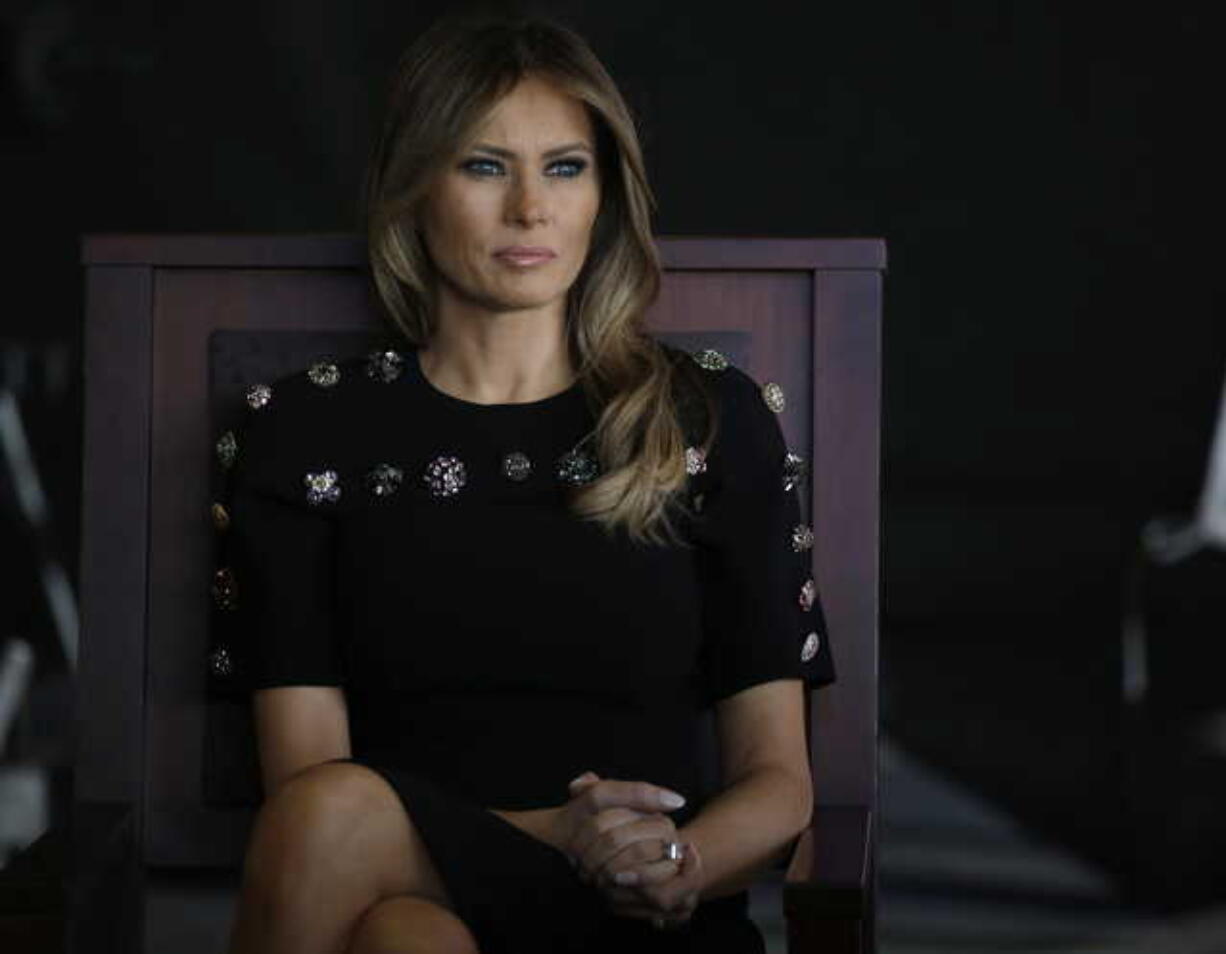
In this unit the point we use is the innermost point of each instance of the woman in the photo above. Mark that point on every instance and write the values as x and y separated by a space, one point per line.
524 544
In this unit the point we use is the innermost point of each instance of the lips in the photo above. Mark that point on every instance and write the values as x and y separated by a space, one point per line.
525 254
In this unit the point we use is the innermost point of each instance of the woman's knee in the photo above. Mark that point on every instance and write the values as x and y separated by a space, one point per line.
407 923
321 813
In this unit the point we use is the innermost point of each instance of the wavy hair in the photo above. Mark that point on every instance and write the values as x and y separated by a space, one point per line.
643 393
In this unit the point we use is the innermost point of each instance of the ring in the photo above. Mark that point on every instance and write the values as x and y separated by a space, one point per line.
673 851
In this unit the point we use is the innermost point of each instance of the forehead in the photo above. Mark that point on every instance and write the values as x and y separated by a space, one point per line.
533 116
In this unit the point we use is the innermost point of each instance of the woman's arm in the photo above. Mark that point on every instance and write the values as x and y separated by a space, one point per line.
767 799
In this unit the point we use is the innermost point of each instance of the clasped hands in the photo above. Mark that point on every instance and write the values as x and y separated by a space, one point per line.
613 832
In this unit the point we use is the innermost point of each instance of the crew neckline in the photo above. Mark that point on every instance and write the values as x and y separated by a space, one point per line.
559 398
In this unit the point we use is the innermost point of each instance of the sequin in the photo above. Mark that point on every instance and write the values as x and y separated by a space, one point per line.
258 396
225 589
445 476
810 648
322 487
221 663
577 467
772 394
695 461
795 469
227 449
221 516
516 466
711 359
802 537
808 593
324 374
384 480
384 366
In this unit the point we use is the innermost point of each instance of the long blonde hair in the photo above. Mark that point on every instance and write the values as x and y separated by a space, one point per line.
639 389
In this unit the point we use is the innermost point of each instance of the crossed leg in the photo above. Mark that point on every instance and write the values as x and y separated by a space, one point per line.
336 866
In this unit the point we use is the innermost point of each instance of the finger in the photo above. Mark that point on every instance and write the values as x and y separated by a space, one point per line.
594 826
654 872
581 782
621 844
641 796
669 894
637 911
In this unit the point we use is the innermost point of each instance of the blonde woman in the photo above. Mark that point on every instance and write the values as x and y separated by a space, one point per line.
491 574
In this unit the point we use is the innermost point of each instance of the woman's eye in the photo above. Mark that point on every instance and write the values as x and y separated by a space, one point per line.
473 166
577 165
485 167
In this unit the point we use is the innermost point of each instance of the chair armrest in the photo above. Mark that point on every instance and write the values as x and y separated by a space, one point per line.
106 886
828 888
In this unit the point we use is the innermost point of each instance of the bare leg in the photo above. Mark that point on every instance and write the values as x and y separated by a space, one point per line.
327 846
409 925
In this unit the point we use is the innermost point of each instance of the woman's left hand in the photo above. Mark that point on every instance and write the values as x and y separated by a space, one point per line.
666 901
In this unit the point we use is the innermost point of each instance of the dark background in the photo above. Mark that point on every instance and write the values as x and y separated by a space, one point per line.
1046 177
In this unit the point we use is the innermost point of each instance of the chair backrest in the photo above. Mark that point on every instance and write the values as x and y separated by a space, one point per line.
178 326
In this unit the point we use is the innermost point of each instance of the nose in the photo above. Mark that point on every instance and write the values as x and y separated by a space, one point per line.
526 203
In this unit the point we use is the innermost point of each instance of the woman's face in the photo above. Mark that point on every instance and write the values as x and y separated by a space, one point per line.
526 179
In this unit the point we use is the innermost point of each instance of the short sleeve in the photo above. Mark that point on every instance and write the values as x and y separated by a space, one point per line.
275 583
762 613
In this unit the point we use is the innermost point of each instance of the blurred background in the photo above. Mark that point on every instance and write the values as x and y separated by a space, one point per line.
1048 179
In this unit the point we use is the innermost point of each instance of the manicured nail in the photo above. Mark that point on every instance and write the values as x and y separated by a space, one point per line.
626 877
671 800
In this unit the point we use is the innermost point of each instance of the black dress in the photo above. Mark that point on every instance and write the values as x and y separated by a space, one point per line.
415 548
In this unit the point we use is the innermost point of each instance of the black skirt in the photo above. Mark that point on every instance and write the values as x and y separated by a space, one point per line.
518 895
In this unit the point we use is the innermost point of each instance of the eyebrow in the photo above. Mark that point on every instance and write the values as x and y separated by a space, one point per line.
509 154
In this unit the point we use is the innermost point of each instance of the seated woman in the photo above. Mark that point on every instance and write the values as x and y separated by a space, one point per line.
487 579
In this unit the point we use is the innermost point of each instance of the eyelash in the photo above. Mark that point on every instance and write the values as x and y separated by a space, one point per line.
579 164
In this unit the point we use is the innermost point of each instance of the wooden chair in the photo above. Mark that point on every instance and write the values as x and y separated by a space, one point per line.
166 771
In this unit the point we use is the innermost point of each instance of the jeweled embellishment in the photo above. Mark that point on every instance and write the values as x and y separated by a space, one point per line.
577 467
383 480
445 476
322 487
516 466
711 359
695 461
258 396
227 449
810 648
221 663
808 593
795 469
802 537
221 516
225 589
385 366
772 394
324 374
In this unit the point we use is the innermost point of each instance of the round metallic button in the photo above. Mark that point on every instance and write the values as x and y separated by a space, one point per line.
258 396
516 466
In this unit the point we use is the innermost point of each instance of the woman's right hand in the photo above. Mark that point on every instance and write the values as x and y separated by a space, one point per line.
606 818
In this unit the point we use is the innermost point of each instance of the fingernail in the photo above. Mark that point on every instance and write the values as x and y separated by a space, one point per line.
671 800
626 877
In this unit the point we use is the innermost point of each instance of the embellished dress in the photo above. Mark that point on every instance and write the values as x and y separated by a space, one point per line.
416 549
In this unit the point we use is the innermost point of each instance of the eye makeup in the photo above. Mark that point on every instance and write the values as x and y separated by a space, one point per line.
472 166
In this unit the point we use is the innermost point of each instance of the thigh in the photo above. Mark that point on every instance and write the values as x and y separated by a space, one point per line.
343 821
